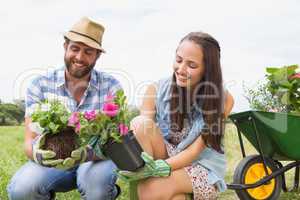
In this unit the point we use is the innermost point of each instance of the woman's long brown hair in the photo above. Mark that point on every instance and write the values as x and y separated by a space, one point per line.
208 95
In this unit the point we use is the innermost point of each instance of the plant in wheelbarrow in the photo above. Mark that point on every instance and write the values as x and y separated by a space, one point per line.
273 131
278 92
107 132
284 84
57 144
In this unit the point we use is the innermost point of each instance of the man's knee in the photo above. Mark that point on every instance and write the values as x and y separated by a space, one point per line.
33 181
97 180
19 189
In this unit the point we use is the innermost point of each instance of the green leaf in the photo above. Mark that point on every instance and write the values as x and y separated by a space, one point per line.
51 126
285 99
104 137
116 136
272 70
96 128
286 83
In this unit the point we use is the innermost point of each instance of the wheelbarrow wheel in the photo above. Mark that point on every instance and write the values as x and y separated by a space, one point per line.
250 170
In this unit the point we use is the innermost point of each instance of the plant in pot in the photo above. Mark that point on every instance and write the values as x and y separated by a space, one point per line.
51 118
109 129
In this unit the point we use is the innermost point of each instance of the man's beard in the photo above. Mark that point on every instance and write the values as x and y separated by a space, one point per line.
76 73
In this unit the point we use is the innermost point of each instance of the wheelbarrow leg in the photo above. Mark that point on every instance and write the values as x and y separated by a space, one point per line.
296 179
283 186
133 190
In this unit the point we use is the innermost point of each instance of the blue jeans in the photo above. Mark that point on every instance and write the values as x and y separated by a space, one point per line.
94 181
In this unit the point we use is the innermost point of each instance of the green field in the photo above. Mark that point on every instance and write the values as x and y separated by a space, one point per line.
12 157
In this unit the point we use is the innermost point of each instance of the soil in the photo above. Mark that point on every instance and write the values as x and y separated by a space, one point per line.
62 143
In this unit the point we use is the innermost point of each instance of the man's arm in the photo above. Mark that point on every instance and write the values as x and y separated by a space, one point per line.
33 96
29 137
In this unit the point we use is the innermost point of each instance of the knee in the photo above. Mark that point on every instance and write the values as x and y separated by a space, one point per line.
142 124
24 184
98 173
19 190
97 180
102 188
152 191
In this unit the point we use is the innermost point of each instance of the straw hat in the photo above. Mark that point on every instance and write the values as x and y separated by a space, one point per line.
87 32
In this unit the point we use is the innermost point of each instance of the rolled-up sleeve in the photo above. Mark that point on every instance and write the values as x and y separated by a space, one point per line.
33 96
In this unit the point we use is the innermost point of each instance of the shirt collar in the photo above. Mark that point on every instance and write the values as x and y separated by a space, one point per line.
61 79
94 79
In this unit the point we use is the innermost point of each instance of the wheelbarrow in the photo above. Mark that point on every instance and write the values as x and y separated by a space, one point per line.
276 137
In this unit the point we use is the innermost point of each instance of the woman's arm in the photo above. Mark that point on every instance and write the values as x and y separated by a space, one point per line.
148 107
229 101
187 156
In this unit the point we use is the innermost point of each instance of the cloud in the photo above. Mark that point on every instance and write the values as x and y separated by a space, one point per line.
141 36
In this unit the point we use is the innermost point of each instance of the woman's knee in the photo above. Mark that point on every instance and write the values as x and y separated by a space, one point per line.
150 190
141 125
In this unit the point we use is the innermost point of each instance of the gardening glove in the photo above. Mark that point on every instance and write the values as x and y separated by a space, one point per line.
43 157
152 168
78 156
95 144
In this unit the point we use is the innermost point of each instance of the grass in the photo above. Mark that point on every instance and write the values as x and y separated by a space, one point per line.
12 157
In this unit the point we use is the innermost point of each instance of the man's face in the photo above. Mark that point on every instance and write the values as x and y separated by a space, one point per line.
79 58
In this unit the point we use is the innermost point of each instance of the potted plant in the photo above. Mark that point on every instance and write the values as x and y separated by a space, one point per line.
110 127
51 118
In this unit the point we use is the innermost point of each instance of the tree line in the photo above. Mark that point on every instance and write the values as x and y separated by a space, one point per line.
12 113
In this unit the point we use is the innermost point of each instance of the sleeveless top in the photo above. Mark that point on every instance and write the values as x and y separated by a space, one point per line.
210 159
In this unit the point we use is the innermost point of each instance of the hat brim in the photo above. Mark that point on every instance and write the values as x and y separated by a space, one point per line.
87 41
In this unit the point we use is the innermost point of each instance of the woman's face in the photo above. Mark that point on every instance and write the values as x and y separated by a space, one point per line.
188 66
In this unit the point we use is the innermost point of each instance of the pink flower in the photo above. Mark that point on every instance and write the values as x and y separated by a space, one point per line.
74 119
90 115
110 109
77 128
109 97
294 76
123 129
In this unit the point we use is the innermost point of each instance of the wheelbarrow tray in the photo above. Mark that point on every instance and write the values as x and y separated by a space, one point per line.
277 133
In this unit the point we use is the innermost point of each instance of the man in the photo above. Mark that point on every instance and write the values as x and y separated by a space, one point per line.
82 88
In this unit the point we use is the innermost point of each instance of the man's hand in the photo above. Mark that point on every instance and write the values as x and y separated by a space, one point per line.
43 157
152 168
78 156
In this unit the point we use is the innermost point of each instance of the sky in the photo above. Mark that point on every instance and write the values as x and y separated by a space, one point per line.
141 37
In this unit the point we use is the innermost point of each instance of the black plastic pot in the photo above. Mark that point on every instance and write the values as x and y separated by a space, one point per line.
126 155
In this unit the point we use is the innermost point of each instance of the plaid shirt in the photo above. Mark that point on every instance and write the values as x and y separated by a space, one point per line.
53 86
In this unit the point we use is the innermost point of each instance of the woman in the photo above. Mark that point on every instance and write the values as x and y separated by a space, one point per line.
182 123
